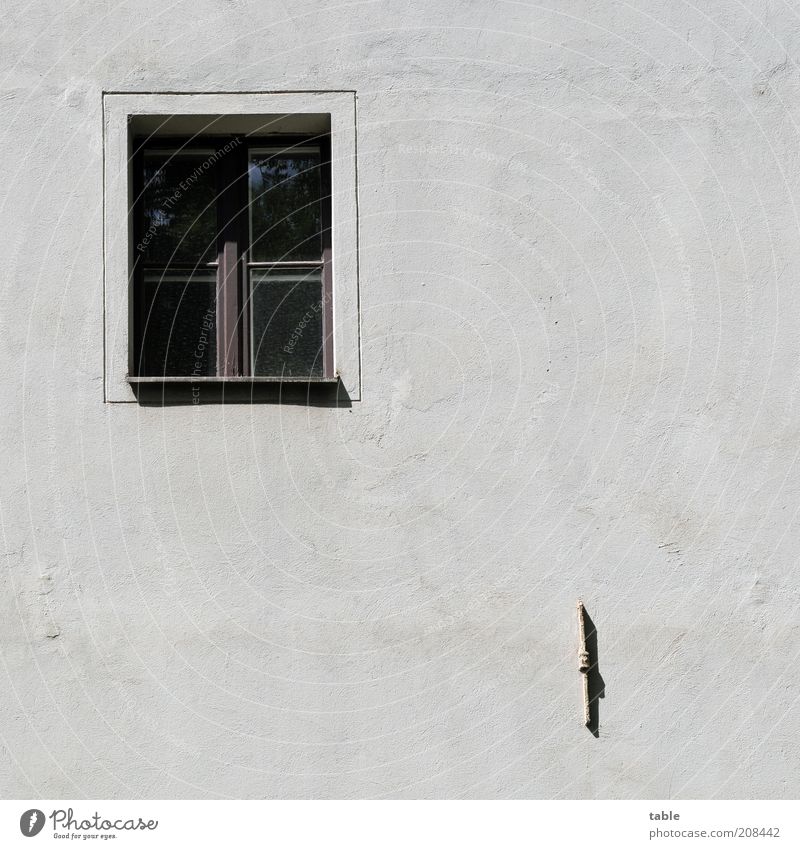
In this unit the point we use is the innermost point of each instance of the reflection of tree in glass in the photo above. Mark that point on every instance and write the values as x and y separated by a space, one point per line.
180 224
285 207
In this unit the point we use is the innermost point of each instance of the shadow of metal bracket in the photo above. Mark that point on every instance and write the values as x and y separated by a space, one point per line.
594 687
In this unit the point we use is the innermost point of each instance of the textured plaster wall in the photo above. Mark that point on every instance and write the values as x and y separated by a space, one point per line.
581 365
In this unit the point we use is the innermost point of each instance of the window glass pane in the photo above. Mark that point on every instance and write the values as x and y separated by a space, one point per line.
286 311
180 211
285 204
178 324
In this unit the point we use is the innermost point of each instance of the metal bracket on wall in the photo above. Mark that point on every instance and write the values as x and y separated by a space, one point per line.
583 663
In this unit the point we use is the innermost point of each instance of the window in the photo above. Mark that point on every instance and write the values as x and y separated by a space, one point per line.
232 262
252 264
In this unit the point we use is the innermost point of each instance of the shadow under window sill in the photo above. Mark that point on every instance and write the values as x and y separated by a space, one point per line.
170 391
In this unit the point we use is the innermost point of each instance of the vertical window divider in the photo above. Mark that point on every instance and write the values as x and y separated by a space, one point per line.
229 342
243 224
326 202
135 281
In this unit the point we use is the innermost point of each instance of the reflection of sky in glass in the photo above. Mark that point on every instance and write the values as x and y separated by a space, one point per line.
285 205
261 166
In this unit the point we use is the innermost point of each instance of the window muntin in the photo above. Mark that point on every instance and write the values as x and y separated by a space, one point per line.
255 218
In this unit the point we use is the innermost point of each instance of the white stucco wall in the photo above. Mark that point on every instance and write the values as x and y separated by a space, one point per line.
580 341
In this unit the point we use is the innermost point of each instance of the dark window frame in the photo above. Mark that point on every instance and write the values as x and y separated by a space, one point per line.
233 319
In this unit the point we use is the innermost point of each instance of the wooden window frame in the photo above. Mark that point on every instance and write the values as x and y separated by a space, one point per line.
233 263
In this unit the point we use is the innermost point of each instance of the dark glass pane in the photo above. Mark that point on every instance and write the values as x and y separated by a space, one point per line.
285 205
180 211
286 310
179 324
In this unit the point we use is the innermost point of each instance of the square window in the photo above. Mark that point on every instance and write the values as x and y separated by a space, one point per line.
232 265
231 254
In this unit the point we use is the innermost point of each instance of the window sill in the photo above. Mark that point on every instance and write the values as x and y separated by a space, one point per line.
239 380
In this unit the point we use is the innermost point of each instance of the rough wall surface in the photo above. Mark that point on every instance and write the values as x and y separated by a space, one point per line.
581 365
